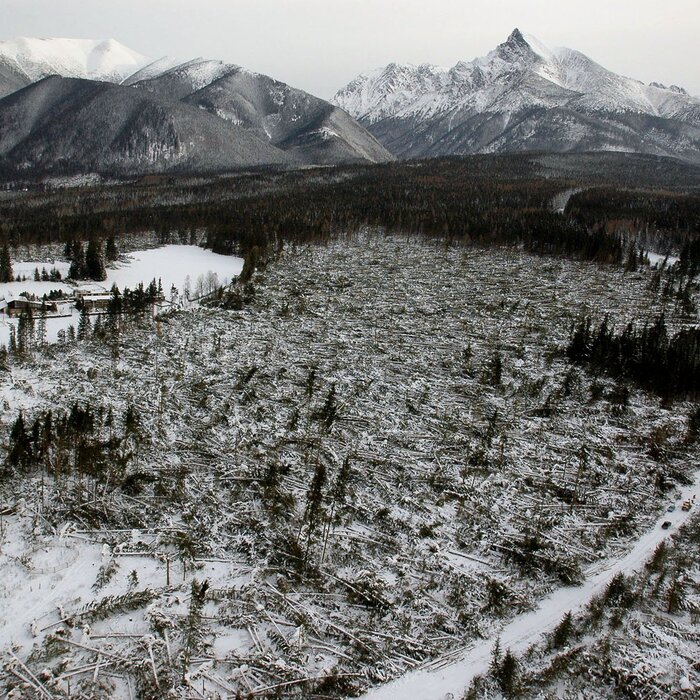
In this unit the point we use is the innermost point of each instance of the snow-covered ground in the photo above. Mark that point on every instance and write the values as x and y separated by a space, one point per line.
182 266
173 265
450 677
657 260
450 470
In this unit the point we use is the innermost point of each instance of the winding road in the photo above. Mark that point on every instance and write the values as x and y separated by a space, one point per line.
449 676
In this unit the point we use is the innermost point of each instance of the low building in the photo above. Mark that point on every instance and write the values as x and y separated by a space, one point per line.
95 302
16 305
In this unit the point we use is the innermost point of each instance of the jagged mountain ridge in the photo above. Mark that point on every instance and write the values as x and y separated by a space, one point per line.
521 96
220 116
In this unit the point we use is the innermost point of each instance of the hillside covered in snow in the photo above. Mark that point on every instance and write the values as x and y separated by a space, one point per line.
521 96
75 107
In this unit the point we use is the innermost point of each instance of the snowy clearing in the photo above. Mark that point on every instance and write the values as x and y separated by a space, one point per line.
173 264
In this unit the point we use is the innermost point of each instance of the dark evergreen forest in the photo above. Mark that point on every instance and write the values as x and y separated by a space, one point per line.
472 201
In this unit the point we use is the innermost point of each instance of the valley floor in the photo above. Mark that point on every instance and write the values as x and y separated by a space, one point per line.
383 460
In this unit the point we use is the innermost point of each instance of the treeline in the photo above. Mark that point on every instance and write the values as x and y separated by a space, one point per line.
442 197
665 210
666 364
547 233
453 199
658 220
84 441
138 299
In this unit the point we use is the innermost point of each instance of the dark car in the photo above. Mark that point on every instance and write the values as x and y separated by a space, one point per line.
666 524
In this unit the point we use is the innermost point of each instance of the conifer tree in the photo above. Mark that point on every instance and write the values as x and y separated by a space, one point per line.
5 264
20 451
25 330
94 264
507 674
314 500
676 596
84 326
111 251
131 421
77 266
329 410
563 631
192 626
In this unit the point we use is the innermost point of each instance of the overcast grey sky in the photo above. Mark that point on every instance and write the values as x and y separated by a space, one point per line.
320 45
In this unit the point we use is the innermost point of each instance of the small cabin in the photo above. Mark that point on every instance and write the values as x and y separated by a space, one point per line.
96 302
90 289
15 306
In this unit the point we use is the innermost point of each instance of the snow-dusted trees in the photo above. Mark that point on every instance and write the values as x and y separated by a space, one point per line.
86 264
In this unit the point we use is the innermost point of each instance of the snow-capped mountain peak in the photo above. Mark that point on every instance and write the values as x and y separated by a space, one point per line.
106 60
475 105
514 66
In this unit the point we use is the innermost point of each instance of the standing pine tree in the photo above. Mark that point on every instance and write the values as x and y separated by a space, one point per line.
25 330
5 265
111 251
77 266
84 325
314 501
20 451
94 263
507 674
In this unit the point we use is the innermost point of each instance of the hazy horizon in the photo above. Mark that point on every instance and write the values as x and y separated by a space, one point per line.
320 46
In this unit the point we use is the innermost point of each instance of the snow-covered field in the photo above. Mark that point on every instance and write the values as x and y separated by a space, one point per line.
176 265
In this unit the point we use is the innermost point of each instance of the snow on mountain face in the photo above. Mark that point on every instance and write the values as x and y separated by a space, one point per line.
571 77
474 106
303 125
198 116
76 58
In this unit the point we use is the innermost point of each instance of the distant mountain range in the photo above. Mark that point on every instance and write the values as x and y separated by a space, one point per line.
26 60
83 106
522 96
77 106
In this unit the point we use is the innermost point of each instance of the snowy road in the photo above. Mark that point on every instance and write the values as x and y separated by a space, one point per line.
438 680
